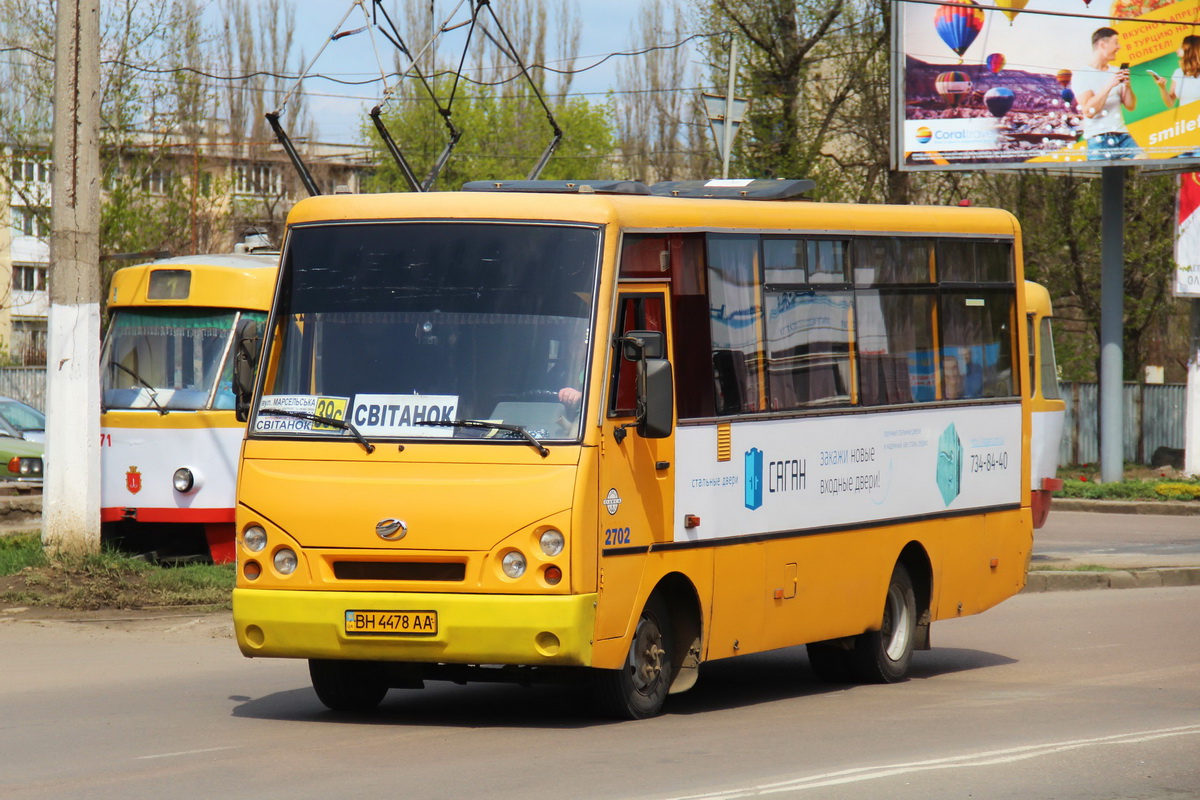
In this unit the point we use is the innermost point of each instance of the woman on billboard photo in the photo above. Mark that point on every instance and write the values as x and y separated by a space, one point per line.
1102 92
1185 83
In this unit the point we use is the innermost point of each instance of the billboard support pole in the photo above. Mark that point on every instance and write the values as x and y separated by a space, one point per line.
728 130
1112 322
1191 405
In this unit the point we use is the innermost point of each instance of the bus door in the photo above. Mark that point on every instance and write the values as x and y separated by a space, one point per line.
637 491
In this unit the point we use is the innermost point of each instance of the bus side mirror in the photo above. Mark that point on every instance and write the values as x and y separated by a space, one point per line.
656 400
637 345
245 362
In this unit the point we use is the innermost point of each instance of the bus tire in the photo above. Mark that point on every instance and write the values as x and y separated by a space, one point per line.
347 685
829 662
883 656
637 690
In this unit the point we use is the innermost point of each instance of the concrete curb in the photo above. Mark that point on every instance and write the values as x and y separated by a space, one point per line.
1171 508
20 511
1052 581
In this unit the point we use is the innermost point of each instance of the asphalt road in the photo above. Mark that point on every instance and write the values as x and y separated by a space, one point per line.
1059 695
1117 540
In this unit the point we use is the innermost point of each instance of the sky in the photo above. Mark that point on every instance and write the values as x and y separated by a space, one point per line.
339 110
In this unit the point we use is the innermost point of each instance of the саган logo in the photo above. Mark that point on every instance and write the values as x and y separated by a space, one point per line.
754 478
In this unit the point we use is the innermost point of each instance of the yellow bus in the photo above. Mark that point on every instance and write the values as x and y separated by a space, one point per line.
536 430
169 437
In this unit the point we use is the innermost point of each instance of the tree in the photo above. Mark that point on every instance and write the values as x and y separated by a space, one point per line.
504 127
662 136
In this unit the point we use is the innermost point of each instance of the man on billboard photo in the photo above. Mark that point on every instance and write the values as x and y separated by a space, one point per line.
1101 93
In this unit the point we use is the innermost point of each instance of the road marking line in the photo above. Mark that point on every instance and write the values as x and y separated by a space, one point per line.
185 752
982 759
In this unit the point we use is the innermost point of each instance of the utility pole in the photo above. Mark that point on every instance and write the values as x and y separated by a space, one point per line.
71 500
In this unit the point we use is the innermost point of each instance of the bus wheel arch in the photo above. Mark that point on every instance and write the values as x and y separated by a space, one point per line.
683 606
916 560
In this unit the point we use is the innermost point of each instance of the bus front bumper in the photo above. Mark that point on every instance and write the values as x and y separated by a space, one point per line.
471 628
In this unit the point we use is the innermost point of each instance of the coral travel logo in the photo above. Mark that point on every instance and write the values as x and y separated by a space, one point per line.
754 478
923 135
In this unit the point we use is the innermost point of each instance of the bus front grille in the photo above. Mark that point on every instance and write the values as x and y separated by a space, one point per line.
398 571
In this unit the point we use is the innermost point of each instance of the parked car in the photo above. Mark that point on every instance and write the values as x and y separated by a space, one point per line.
28 421
20 459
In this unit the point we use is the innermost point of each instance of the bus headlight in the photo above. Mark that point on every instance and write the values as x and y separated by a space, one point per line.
552 542
285 561
513 564
254 538
184 480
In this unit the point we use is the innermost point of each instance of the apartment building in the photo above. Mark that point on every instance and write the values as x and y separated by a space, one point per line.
217 191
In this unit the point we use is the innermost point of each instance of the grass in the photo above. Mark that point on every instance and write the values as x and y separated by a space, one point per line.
105 580
1140 483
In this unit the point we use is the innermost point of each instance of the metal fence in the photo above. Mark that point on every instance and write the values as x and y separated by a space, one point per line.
27 384
1154 418
1153 414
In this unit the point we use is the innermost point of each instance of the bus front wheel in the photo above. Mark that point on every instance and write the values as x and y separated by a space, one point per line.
347 685
637 690
883 656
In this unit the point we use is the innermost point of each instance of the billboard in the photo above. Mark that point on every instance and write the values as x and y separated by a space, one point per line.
1040 85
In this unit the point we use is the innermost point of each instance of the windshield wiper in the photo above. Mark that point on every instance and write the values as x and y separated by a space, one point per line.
481 423
153 392
332 422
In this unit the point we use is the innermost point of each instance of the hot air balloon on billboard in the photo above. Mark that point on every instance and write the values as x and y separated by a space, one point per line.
995 62
1010 8
952 87
1063 77
999 100
1068 96
958 23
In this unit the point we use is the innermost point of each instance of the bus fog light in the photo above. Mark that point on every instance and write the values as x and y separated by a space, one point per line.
251 570
513 564
254 538
553 575
552 542
285 561
183 480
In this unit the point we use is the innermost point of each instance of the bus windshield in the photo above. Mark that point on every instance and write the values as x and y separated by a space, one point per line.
403 329
168 359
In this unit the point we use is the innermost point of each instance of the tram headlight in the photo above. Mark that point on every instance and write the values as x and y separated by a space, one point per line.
285 561
254 538
184 480
552 542
513 564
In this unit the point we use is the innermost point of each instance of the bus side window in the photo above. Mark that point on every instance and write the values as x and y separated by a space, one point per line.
735 311
894 320
634 313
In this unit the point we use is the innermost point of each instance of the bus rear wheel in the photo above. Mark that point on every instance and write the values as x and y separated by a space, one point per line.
883 656
638 689
348 685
